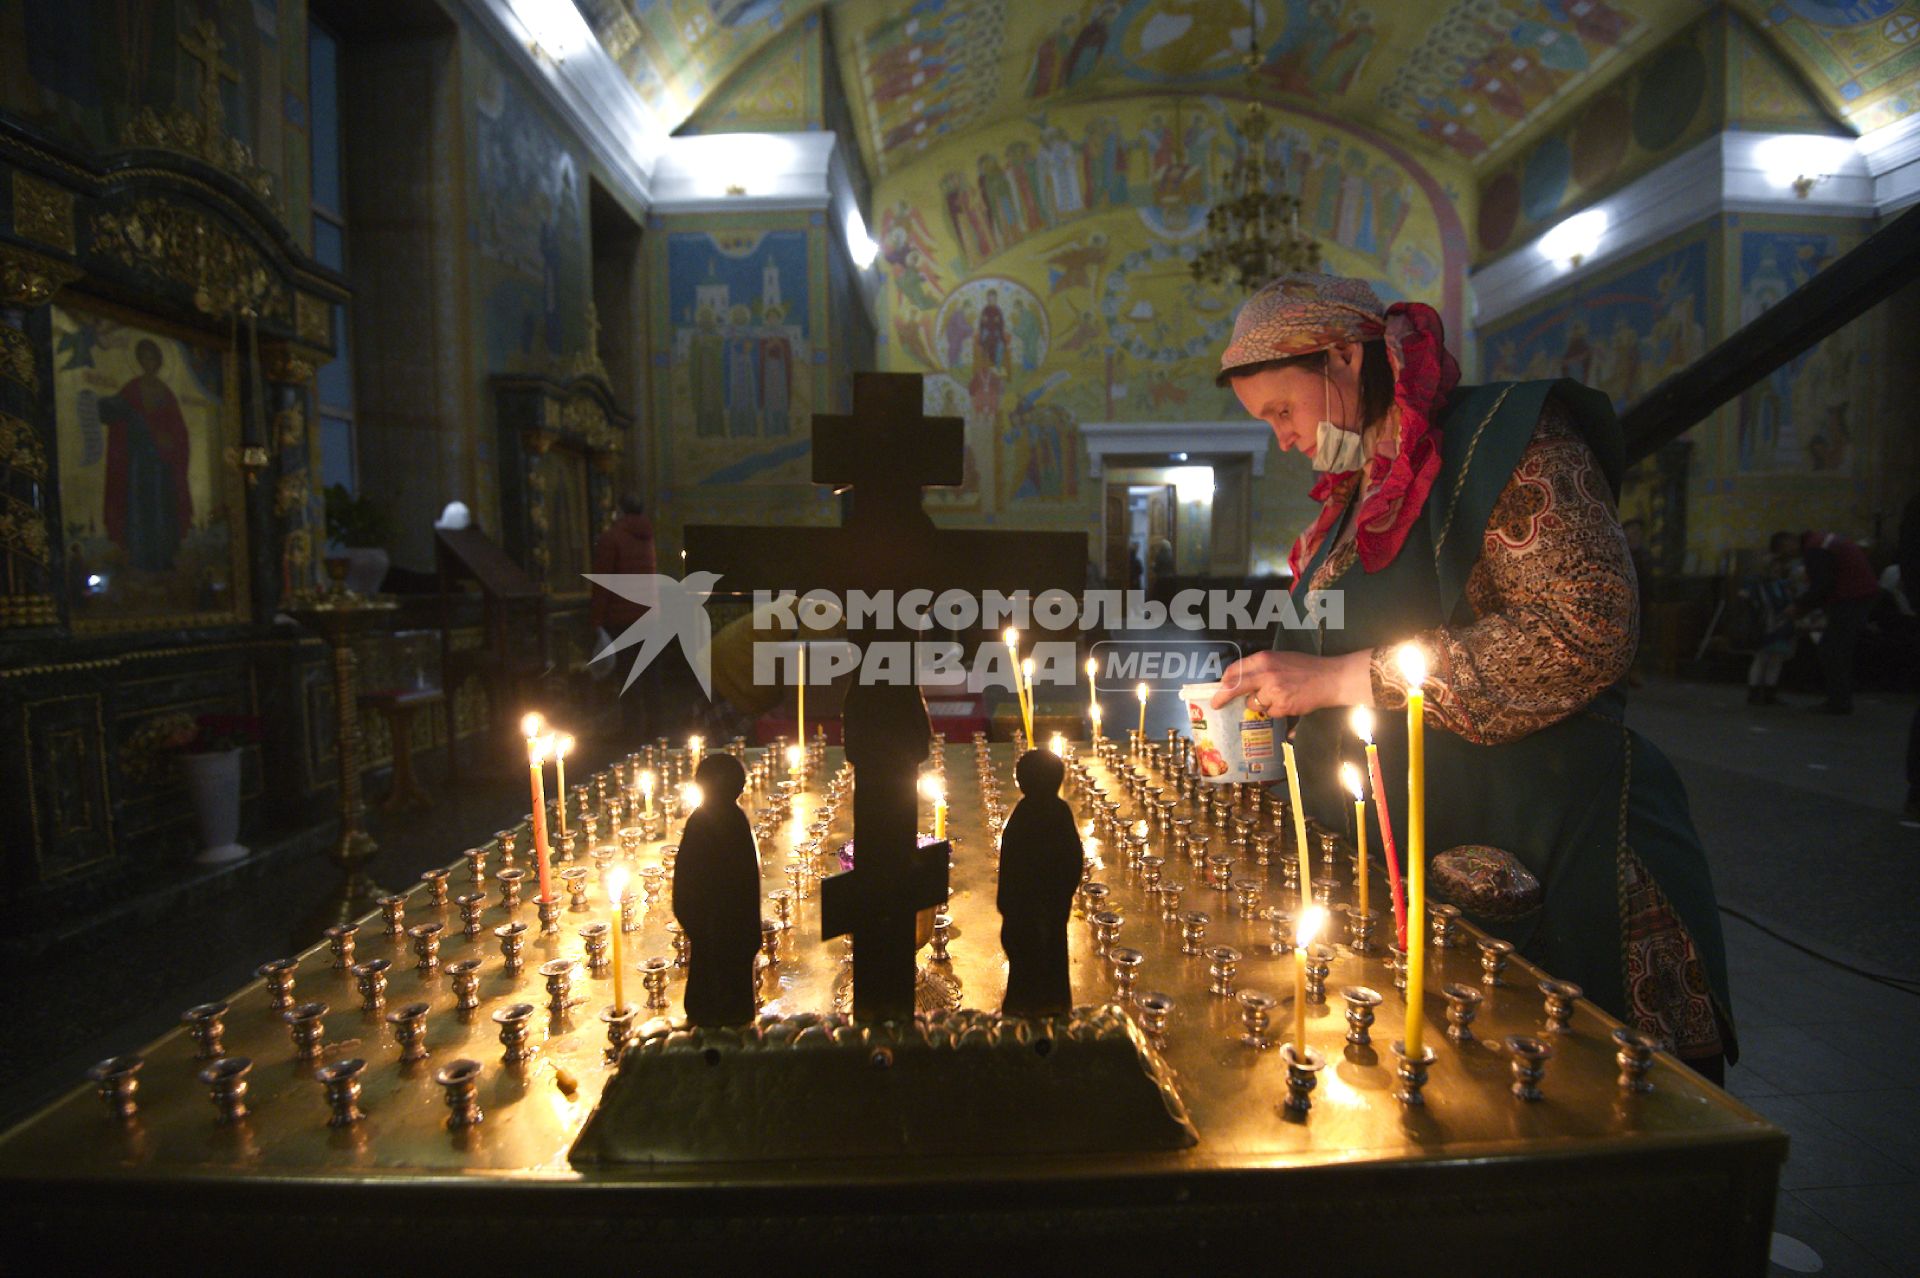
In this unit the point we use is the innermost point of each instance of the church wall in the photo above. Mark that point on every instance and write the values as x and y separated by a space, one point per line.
743 354
1812 445
1077 222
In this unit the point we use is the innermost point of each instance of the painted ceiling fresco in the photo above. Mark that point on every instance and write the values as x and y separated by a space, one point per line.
1465 79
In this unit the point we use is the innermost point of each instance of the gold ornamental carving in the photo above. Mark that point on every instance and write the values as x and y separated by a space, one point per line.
228 275
313 319
204 135
29 279
20 611
16 359
288 364
23 530
290 426
21 448
291 493
42 211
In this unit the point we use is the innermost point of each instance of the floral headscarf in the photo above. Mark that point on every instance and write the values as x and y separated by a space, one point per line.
1304 313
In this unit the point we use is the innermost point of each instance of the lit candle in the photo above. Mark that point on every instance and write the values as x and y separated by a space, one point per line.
1026 678
1350 777
1141 692
1362 721
646 790
800 715
1012 637
537 748
1058 744
617 890
691 797
931 787
794 755
561 744
694 743
1304 932
1096 721
1299 825
1093 695
1413 664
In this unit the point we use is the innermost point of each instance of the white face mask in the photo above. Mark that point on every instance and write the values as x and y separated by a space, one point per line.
1334 449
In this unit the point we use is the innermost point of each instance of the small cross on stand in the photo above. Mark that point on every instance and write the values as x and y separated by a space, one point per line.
204 46
886 451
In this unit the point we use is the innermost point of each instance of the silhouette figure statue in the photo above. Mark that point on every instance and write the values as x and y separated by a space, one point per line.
1040 866
716 897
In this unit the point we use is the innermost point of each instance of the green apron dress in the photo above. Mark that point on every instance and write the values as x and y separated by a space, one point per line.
1566 800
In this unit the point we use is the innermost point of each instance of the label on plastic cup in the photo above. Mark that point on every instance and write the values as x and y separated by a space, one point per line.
1233 743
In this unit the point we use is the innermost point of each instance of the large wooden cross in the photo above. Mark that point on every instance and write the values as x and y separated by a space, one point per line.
885 452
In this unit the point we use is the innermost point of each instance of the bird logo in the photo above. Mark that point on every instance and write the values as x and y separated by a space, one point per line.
677 611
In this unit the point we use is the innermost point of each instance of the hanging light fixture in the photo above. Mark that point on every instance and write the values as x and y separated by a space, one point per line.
1254 234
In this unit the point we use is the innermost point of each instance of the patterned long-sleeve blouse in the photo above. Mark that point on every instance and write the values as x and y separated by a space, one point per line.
1553 598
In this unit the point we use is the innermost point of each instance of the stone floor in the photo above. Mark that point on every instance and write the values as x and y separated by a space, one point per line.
1801 815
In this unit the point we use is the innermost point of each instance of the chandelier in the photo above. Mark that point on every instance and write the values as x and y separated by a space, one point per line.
1254 234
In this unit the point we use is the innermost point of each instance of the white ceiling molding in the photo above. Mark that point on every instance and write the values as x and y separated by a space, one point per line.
1732 172
1199 440
736 172
581 81
1893 154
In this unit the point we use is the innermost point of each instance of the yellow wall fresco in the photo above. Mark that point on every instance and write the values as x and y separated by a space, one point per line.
776 91
1037 274
1863 55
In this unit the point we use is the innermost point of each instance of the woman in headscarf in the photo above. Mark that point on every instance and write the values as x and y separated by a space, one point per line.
1479 523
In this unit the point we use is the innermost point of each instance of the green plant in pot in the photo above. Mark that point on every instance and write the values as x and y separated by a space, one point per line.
357 530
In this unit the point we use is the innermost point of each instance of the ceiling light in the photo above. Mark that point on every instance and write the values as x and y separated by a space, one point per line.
1575 240
1800 160
860 245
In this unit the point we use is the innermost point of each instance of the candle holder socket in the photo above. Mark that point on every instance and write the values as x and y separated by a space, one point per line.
1246 897
207 1026
1193 931
306 1025
1560 999
619 1023
436 881
942 934
465 974
393 911
279 978
409 1025
340 942
1106 930
653 977
1494 954
1155 1010
1412 1073
1530 1056
426 946
1220 873
1463 1004
342 1081
594 937
516 1032
1223 962
782 908
513 944
512 881
117 1081
1444 922
226 1080
1362 1001
574 879
1262 843
682 947
559 976
472 905
1360 927
549 913
1170 894
371 977
1256 1019
461 1079
1319 967
1635 1059
1397 960
476 864
1303 1071
1123 964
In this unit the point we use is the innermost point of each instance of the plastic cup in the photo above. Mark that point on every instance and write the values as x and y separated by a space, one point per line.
1233 743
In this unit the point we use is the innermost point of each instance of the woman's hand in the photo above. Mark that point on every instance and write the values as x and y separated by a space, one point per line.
1292 683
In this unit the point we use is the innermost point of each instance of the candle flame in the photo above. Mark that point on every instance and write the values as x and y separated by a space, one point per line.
931 787
1141 692
694 743
1312 919
1058 744
1361 721
531 725
1026 667
1350 778
1096 716
646 784
1413 664
1093 666
617 885
1012 637
538 748
563 745
793 756
691 796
